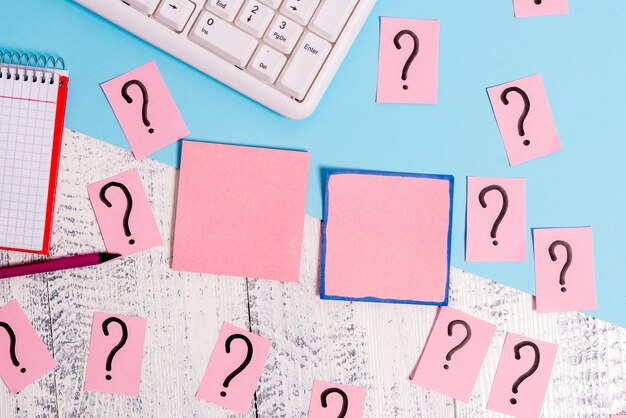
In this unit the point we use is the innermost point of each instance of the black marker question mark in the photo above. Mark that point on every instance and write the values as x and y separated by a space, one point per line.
129 204
144 95
460 345
530 371
12 341
105 330
505 206
344 400
416 47
522 118
568 261
537 2
243 365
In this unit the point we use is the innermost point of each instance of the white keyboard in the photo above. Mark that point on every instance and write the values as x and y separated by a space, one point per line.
281 53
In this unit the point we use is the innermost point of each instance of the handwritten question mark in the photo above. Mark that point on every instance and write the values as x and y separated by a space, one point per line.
129 204
245 362
144 94
120 344
12 342
505 206
522 118
537 2
568 260
530 371
344 400
468 335
409 61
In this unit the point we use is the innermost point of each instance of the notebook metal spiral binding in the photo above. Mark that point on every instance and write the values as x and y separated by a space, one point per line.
19 66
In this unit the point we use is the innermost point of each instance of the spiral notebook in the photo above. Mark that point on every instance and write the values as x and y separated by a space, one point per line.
33 92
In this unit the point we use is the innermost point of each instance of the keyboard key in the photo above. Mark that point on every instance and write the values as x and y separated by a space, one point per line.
224 39
175 13
300 11
303 66
283 34
267 63
146 6
331 17
226 9
272 3
254 18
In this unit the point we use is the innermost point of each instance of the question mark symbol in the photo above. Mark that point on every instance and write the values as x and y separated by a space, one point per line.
568 261
344 400
537 2
12 342
530 371
105 330
416 47
522 118
243 365
468 335
129 204
505 206
144 95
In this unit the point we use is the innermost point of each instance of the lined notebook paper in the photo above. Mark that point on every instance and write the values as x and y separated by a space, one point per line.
32 108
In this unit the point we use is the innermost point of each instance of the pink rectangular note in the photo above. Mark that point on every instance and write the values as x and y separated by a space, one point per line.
524 118
234 369
115 354
124 214
330 400
522 377
496 219
454 353
145 109
529 8
24 357
408 61
564 269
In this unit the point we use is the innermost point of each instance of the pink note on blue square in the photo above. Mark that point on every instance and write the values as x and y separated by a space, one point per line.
529 8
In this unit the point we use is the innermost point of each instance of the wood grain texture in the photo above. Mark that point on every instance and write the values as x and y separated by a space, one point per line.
369 344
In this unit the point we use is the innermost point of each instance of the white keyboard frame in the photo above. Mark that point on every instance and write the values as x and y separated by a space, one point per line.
179 45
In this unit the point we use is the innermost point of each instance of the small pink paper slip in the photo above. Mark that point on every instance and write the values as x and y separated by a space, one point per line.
234 369
529 8
24 357
524 118
145 109
330 400
454 353
124 214
115 354
564 269
522 377
408 61
496 219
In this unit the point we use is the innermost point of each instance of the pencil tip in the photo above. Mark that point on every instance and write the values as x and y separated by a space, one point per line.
104 257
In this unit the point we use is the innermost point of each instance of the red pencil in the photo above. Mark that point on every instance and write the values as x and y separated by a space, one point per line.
55 264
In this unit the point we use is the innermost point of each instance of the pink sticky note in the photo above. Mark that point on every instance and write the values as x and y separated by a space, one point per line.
512 392
145 109
124 214
496 219
115 354
564 269
240 211
408 61
525 123
24 357
234 369
330 400
386 237
618 416
528 8
454 353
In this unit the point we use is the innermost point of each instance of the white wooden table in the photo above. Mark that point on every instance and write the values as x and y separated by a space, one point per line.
371 344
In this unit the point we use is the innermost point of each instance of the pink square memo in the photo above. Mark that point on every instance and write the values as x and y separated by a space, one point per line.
564 269
524 118
408 61
240 211
330 400
528 8
386 237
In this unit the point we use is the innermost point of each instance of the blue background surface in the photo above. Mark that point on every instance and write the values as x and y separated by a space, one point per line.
582 58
